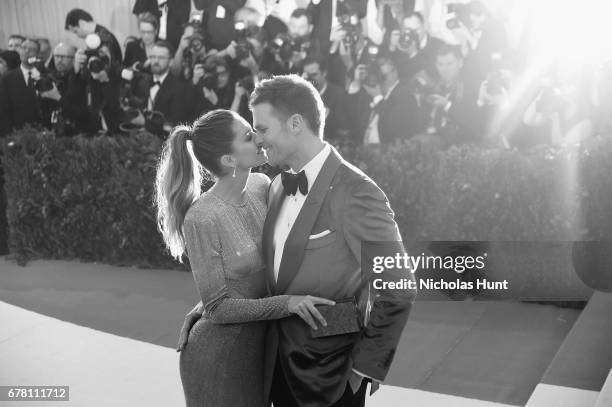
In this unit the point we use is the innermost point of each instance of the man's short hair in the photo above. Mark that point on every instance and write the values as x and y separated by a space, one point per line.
302 12
148 17
417 15
291 94
165 44
74 16
33 40
446 49
17 37
314 59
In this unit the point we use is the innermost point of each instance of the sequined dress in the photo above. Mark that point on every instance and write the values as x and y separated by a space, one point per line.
223 362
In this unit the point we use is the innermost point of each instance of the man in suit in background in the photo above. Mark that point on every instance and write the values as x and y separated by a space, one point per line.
19 101
172 15
163 92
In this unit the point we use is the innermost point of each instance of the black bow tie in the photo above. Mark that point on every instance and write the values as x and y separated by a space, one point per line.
291 182
156 83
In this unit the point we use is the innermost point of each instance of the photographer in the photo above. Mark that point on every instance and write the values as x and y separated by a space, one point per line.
448 102
60 108
326 16
348 46
479 36
161 99
412 48
190 50
96 85
81 23
137 51
387 109
286 52
559 114
334 99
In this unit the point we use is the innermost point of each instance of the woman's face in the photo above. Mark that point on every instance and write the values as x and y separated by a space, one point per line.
246 153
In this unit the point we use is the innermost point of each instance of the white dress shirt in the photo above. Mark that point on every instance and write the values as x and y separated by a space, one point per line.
154 89
292 205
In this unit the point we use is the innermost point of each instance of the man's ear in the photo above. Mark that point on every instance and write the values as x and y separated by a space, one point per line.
296 122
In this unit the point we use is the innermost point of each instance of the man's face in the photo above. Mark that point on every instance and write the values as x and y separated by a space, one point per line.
14 43
313 74
63 57
223 76
27 49
160 60
448 67
299 27
273 134
79 30
147 33
45 51
414 24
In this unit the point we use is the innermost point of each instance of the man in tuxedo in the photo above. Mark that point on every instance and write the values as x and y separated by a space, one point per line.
320 213
19 101
163 92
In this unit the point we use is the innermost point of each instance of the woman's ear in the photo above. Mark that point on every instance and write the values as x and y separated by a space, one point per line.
228 160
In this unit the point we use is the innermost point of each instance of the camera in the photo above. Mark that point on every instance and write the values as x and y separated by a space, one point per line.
459 15
196 43
45 82
352 27
97 61
243 46
283 46
408 38
247 83
373 76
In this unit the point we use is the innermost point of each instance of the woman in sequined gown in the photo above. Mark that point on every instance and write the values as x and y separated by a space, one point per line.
220 232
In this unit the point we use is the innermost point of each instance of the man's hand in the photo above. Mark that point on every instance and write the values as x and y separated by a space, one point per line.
79 60
198 73
138 120
210 95
438 101
190 319
100 77
52 93
394 38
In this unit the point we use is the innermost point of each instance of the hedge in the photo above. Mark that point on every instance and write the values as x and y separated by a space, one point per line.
90 198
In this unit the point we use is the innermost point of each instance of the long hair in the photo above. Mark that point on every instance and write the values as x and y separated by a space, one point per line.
180 173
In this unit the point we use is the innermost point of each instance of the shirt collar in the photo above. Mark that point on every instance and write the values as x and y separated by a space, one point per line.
160 78
35 73
313 167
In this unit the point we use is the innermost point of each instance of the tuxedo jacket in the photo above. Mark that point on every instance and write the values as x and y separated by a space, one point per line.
344 201
19 105
175 97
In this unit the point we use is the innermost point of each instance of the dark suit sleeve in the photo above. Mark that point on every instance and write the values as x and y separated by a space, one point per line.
369 218
5 115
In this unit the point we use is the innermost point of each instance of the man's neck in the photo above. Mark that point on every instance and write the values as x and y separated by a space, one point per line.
27 67
307 151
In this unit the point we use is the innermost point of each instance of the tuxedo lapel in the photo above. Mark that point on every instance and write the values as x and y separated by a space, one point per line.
293 253
278 197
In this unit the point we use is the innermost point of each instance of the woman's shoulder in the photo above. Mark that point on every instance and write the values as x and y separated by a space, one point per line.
259 183
203 210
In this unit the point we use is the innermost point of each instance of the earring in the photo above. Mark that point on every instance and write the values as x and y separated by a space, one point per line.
234 173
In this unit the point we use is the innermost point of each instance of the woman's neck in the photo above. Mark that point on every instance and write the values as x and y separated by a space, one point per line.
232 189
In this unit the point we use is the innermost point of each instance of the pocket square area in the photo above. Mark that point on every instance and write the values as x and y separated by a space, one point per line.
318 235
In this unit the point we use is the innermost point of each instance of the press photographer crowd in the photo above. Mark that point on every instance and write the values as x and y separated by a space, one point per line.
386 71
